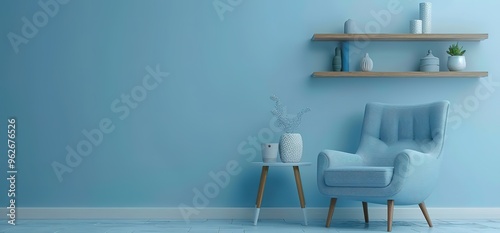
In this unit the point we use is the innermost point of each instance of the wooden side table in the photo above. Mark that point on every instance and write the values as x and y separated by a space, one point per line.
263 176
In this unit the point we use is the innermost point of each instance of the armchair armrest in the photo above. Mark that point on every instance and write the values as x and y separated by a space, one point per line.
333 158
415 173
409 161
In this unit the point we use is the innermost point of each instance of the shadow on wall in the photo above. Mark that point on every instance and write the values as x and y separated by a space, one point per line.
352 133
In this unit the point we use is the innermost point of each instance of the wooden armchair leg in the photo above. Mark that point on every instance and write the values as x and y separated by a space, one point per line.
426 215
390 211
365 211
330 211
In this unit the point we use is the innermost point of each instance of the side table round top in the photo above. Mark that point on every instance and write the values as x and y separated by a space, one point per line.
281 164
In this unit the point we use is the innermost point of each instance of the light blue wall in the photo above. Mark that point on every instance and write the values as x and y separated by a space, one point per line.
204 115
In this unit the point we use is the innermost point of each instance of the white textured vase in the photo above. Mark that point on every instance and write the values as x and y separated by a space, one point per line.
290 148
416 26
456 63
426 16
366 63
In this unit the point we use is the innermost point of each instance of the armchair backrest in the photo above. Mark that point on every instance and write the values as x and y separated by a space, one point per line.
389 129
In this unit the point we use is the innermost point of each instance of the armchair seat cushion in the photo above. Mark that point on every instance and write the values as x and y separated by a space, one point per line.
358 176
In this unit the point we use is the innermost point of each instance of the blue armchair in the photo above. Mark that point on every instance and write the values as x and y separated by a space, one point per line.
397 161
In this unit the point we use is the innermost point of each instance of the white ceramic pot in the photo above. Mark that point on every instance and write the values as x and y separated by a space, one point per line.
416 26
269 152
429 63
290 148
456 63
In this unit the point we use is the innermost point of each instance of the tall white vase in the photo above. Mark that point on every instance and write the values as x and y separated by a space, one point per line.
426 17
350 27
290 148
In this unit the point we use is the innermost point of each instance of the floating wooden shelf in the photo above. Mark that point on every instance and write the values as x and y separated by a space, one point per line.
400 37
400 74
346 40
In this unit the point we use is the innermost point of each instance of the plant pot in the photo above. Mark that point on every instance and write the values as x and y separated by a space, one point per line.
290 148
269 152
456 63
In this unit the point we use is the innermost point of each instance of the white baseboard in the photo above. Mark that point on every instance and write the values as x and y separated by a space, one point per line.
376 213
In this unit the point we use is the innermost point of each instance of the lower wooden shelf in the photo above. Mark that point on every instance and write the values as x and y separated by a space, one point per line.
465 74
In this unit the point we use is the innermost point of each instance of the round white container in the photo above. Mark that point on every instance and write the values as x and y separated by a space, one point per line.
416 26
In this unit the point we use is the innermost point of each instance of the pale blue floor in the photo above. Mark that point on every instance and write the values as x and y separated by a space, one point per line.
225 226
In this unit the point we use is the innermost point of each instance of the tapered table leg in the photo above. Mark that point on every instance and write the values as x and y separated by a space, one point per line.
301 192
260 193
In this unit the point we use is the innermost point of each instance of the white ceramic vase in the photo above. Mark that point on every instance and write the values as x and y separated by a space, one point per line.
456 63
269 152
426 17
366 63
290 148
416 26
350 27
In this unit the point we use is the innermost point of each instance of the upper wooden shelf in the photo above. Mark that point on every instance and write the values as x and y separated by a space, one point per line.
401 74
401 37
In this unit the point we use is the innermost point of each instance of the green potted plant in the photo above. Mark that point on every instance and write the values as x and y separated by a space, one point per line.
456 60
